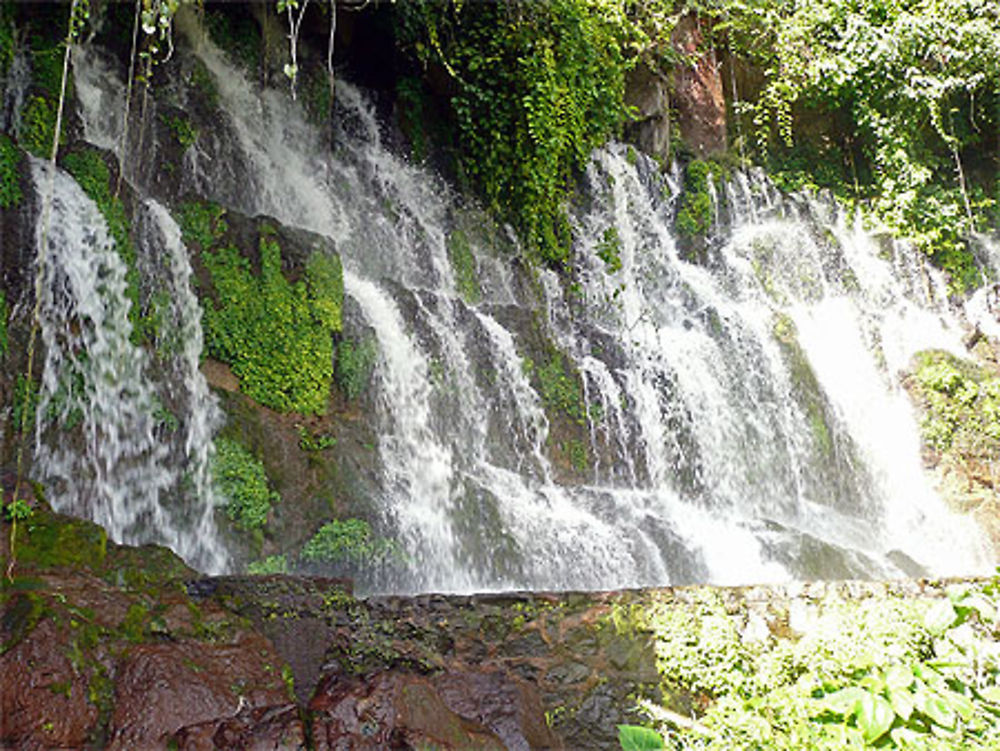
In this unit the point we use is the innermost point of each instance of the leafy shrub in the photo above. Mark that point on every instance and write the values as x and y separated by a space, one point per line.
539 85
883 672
241 479
273 564
347 541
276 335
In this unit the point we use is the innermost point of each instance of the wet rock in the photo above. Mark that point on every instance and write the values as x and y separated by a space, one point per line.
391 710
262 729
164 687
646 90
43 698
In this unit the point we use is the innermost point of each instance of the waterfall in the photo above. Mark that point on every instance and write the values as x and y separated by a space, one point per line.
742 412
100 449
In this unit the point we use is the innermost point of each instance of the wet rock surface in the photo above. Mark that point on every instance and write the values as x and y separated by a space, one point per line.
107 646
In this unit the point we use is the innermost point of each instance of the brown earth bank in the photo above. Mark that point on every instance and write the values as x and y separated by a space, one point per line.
109 646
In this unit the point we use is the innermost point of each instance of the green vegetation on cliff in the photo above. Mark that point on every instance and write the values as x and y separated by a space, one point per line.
277 335
240 478
961 402
538 87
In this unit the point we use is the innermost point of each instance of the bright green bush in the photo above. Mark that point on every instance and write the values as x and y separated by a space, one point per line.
241 479
463 265
347 541
273 564
276 335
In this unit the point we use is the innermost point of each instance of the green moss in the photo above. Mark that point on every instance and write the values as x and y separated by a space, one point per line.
578 455
560 387
21 613
276 335
47 540
463 265
237 34
201 223
355 363
38 123
25 403
10 178
609 250
240 477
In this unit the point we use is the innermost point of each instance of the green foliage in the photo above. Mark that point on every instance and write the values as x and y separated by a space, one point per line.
273 564
880 672
560 387
694 213
609 250
463 265
182 130
201 223
348 541
38 123
309 441
240 477
637 738
6 43
17 510
914 85
276 335
90 170
355 362
10 179
539 85
578 455
961 404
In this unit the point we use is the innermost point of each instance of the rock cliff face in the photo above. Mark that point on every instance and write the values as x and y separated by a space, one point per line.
106 646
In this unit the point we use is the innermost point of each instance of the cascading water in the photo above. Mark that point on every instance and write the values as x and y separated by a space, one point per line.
742 411
100 451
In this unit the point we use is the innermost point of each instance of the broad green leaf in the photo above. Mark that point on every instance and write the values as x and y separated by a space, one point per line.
990 694
902 701
875 716
906 737
844 702
637 738
936 708
940 617
960 703
899 677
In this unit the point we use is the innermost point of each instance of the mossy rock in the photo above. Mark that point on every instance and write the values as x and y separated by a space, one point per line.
50 540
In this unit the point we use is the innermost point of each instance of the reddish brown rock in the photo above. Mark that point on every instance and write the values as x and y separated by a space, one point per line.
391 710
43 697
261 729
698 93
162 688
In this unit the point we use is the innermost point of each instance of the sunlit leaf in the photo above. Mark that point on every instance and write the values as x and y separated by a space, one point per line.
940 617
875 716
844 702
899 677
902 701
637 738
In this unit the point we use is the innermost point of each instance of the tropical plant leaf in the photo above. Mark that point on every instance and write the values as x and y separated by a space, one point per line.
638 738
875 716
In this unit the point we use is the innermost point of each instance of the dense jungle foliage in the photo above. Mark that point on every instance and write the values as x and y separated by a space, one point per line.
892 103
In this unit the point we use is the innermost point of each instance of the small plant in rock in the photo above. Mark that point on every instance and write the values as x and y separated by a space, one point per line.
350 541
241 479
